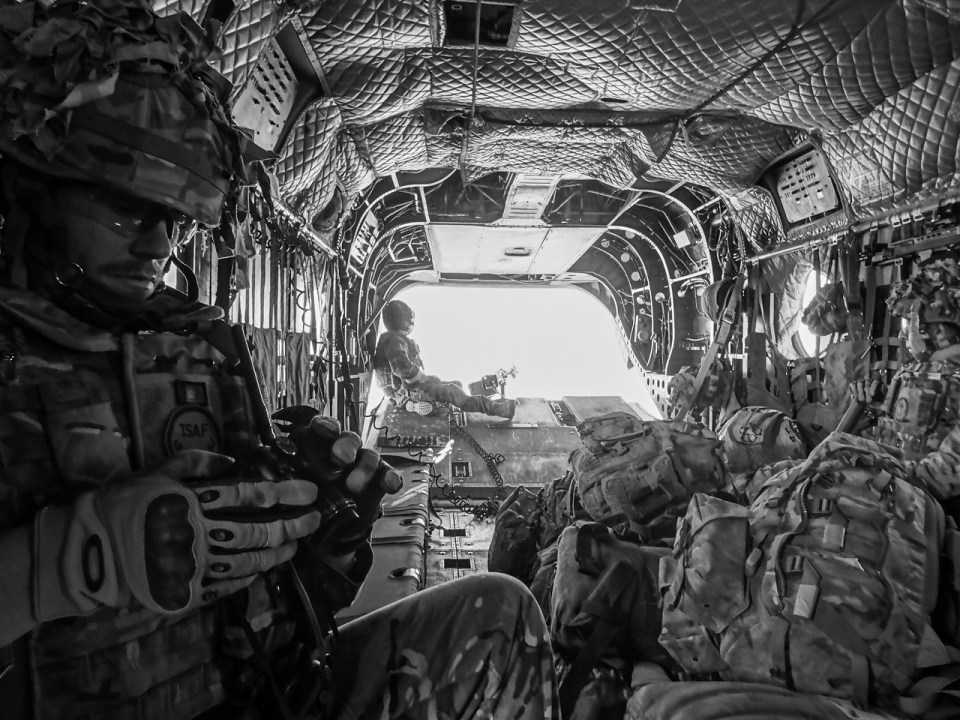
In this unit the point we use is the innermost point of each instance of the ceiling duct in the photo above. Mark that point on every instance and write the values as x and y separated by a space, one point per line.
528 197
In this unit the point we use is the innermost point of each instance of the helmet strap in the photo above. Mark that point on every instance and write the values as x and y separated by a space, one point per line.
193 287
18 189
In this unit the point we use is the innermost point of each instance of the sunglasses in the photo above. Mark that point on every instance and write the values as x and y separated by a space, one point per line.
125 214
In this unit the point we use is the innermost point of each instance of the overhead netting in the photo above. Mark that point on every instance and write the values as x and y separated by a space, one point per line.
705 91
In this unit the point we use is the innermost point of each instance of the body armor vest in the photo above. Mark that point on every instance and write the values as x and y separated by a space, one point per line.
920 408
72 420
389 345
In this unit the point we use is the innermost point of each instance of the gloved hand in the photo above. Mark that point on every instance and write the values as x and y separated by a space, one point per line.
178 536
359 473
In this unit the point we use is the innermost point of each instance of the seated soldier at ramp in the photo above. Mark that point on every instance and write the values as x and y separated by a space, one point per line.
399 370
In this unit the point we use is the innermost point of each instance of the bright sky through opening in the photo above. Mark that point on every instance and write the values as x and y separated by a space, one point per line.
561 340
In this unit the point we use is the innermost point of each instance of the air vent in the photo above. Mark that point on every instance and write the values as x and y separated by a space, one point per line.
285 79
528 196
268 96
456 563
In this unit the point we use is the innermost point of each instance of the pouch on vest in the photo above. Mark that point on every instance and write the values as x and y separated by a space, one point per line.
921 407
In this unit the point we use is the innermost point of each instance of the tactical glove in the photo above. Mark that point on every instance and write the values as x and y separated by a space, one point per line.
174 538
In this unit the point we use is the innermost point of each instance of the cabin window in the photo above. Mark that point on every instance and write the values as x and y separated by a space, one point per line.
460 469
496 19
806 338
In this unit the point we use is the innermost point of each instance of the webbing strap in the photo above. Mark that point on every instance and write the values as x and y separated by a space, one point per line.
757 347
770 438
727 321
870 286
850 268
95 122
816 351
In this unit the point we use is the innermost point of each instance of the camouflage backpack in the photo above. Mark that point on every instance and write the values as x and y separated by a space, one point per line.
644 470
825 584
513 546
756 436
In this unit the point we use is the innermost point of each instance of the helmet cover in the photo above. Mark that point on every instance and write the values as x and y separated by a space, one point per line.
108 92
933 294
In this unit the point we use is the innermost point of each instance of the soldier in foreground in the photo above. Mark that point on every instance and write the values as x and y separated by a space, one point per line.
400 372
157 561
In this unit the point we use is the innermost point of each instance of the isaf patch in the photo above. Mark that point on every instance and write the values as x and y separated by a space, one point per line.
191 428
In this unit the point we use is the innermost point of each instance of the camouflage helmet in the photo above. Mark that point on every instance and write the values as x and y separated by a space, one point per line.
108 92
931 296
397 315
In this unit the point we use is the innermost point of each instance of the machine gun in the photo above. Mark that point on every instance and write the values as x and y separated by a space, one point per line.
494 383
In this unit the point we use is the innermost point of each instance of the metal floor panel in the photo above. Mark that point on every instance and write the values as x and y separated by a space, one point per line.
458 548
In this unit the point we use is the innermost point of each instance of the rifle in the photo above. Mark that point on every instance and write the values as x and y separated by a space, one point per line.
282 456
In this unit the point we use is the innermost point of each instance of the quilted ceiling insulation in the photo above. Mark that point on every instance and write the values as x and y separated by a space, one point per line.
701 91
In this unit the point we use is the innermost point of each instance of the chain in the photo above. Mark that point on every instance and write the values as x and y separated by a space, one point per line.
489 507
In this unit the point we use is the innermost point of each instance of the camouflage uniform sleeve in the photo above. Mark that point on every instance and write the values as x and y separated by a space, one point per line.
940 470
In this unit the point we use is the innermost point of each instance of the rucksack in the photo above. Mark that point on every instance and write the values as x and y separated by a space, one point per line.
825 584
755 436
605 604
644 470
516 530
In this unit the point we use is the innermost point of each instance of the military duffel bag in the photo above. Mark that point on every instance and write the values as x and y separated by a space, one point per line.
605 604
645 470
825 584
516 530
755 436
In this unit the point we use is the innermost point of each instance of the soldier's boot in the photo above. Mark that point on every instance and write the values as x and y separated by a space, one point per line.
500 408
